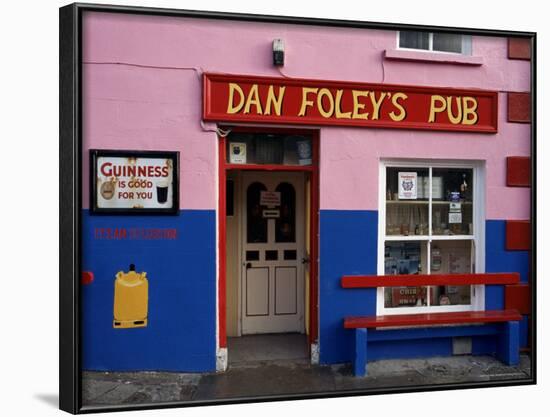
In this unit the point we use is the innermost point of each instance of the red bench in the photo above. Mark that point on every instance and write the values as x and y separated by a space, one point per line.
506 321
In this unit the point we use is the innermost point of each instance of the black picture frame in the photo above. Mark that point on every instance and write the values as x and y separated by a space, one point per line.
172 155
70 203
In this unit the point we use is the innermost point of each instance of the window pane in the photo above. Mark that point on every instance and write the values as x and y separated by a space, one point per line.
452 211
466 45
269 149
414 40
407 196
451 257
447 42
229 197
285 224
256 225
252 255
405 258
290 255
297 150
263 148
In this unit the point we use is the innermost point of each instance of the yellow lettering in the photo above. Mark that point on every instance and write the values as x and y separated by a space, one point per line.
436 109
253 99
305 102
470 108
397 117
454 119
325 92
359 106
231 109
339 114
276 102
376 104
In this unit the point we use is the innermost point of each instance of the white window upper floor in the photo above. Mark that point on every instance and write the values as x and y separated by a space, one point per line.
435 42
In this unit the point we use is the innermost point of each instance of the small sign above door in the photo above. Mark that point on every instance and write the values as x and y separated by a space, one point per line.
270 198
271 214
237 153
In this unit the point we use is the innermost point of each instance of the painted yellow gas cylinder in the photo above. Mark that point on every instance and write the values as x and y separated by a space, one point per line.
131 299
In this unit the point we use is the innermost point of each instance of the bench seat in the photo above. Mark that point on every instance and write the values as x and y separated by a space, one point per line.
462 317
508 342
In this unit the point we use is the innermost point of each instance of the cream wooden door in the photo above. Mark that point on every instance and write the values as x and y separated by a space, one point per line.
272 277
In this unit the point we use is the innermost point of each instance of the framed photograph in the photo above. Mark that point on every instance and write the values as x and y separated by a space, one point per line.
331 208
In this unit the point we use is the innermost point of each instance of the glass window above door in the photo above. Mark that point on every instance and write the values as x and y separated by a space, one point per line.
268 149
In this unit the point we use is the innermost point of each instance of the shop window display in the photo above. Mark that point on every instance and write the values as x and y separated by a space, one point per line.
450 201
405 258
429 229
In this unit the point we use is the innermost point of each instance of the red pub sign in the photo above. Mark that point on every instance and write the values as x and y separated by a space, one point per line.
234 98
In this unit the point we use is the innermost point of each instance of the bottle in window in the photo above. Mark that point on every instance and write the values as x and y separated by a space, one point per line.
464 188
436 259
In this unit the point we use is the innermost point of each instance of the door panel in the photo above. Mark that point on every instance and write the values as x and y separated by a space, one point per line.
273 249
257 291
285 290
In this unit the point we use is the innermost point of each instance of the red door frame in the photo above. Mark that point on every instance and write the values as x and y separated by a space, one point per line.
313 169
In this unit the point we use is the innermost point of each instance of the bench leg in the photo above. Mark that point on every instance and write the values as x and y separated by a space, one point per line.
508 344
360 359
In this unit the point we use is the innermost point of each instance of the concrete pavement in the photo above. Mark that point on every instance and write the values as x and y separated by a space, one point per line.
264 377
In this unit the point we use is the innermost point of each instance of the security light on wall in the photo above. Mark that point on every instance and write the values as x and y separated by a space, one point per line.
278 52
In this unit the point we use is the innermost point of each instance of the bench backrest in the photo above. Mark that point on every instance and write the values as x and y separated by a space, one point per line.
375 281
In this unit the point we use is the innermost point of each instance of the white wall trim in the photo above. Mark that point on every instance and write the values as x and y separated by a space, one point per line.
221 360
314 353
217 170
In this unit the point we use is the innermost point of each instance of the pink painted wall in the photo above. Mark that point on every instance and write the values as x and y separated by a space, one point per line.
142 91
350 161
128 107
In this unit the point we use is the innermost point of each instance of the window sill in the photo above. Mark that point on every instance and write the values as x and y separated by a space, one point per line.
397 311
421 56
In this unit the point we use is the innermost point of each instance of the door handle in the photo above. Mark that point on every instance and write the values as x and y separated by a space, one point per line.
248 265
305 260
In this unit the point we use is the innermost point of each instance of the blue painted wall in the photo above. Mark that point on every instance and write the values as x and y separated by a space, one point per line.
498 259
348 245
412 348
181 332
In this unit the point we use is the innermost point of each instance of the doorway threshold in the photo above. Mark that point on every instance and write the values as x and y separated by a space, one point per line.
265 348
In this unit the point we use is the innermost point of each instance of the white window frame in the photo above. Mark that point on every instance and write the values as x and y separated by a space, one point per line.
466 45
477 295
